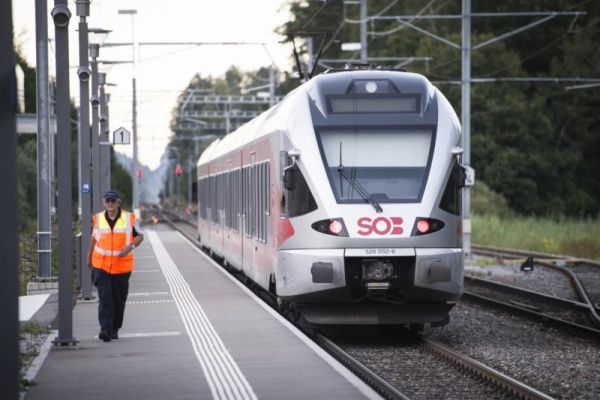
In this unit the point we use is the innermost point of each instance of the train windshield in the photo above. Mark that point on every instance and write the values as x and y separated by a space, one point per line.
391 164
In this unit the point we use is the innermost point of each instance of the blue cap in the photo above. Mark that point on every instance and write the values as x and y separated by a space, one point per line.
111 194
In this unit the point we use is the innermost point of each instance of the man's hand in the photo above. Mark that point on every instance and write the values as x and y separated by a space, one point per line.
126 251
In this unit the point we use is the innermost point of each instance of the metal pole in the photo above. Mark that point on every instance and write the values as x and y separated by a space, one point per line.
310 52
135 178
103 137
363 31
466 119
61 16
52 155
95 100
272 86
109 147
83 10
9 239
44 230
189 168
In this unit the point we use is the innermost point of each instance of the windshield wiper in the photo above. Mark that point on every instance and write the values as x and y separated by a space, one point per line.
357 186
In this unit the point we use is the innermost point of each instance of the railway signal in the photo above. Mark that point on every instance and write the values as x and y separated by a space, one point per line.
178 171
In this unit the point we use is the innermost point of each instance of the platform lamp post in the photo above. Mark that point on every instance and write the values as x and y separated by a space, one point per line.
100 36
135 166
61 16
104 141
9 239
44 141
85 184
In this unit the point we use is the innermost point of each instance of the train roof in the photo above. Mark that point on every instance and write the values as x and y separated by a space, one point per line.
331 83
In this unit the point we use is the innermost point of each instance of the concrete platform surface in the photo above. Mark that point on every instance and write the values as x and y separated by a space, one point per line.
191 331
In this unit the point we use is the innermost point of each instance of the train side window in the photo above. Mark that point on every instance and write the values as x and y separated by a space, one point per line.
296 199
246 185
227 197
201 191
452 199
268 200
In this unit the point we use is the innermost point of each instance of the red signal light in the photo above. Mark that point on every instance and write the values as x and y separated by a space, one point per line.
426 226
138 173
178 170
423 226
336 227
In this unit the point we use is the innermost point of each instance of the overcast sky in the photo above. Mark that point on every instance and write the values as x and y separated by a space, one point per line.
164 71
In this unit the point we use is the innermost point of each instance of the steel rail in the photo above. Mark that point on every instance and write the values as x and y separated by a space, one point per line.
575 282
531 313
536 254
538 296
506 382
377 383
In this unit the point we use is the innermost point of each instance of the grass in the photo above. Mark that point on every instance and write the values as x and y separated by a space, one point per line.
573 237
33 328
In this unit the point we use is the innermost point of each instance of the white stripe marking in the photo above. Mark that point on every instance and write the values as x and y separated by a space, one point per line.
335 364
223 375
148 294
150 301
146 334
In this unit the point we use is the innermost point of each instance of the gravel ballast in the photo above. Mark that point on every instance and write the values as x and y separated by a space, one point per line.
416 372
559 364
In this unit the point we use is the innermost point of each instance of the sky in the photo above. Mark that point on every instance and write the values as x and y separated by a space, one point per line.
163 72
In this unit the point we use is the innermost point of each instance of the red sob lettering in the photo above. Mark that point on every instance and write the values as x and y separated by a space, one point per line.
380 226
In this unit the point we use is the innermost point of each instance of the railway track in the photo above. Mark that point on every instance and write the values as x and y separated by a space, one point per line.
472 369
423 359
562 313
584 275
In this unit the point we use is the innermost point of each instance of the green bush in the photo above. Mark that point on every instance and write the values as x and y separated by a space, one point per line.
484 201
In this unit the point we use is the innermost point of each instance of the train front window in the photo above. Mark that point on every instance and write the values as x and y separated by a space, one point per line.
391 164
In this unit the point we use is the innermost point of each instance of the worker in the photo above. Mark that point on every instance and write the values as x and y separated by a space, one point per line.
110 258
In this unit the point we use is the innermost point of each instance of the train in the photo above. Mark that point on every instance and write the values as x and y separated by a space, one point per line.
343 200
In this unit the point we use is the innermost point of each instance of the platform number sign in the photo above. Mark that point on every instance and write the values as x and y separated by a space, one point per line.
121 136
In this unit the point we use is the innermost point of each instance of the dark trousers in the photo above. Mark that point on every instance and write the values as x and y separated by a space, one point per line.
112 296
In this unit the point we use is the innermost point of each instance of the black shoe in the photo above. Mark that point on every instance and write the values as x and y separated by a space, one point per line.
104 335
114 335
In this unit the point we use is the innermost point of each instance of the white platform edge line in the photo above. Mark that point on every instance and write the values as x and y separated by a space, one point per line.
206 342
221 362
210 375
209 343
216 345
335 364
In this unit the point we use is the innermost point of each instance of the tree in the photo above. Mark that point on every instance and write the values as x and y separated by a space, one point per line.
535 144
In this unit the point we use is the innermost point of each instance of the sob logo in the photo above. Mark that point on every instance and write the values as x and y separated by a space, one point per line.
380 226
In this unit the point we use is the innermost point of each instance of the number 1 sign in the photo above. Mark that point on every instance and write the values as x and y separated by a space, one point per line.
121 136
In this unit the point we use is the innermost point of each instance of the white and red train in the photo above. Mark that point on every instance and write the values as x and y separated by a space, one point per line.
343 200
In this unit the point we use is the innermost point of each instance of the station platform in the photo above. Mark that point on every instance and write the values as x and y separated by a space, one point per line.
191 331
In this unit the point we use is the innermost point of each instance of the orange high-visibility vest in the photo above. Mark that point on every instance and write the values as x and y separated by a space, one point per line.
111 242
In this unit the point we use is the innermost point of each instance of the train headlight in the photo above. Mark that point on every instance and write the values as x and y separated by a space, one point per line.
334 226
371 86
425 226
